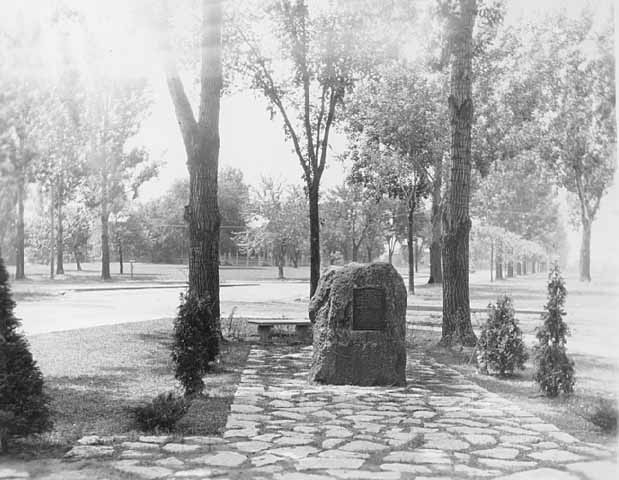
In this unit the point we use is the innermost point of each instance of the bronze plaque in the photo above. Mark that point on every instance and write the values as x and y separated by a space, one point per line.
368 308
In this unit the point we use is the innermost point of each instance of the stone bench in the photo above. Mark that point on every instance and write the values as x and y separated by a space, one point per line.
302 326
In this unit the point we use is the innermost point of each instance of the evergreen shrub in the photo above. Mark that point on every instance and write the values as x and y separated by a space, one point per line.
161 414
555 370
24 406
196 342
500 348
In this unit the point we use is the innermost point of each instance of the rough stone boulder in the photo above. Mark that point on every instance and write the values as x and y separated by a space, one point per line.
359 322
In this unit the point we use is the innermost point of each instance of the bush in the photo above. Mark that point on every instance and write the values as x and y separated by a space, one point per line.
23 404
500 346
605 416
161 414
196 342
555 370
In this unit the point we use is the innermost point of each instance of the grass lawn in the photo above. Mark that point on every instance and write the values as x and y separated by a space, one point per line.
94 376
571 414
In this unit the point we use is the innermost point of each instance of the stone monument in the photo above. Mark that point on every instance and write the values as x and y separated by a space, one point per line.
359 322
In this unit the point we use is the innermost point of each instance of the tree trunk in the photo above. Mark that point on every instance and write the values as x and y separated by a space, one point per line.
51 233
281 262
60 239
457 326
314 237
510 269
518 268
498 267
20 272
491 260
120 257
524 266
417 254
436 269
411 248
355 252
105 245
585 251
369 250
76 254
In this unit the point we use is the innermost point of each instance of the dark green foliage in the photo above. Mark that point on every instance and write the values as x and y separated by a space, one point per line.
23 404
555 370
605 416
161 414
196 342
500 347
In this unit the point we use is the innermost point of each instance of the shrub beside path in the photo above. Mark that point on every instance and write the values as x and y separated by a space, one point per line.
439 426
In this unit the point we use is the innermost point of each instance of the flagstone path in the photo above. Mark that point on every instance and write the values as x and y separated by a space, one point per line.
439 426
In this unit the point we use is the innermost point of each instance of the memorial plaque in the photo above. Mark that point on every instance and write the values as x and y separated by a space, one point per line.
368 309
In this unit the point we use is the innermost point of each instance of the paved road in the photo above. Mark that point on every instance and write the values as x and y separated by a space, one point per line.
94 308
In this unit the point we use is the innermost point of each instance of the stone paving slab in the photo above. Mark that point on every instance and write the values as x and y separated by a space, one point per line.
280 427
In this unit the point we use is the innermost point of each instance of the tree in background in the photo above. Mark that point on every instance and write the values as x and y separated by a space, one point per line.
578 122
280 223
320 53
23 99
233 199
115 113
397 125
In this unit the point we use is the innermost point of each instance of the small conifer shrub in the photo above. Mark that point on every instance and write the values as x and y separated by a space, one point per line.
23 404
160 414
196 342
555 370
500 348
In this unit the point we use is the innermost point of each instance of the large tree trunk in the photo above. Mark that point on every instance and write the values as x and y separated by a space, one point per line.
60 233
369 250
436 269
457 326
585 251
314 237
355 252
411 248
20 272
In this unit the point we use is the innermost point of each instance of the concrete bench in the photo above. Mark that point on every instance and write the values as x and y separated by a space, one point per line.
302 326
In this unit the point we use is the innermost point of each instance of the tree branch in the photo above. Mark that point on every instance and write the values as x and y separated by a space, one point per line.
182 107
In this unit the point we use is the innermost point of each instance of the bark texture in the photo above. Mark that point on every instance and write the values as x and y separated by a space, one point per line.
201 139
314 238
585 251
457 326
